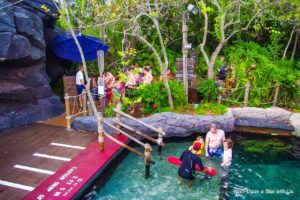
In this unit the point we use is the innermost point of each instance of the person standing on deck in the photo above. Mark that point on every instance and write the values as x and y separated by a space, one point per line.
80 84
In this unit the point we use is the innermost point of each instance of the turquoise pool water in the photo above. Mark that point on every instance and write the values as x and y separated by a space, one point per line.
252 176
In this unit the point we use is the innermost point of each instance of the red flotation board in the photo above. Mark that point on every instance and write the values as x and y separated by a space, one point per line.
175 161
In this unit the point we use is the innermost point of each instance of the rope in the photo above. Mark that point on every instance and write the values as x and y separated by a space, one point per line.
11 4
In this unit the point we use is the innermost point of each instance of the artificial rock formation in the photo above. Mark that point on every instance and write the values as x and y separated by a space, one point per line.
25 93
174 124
179 125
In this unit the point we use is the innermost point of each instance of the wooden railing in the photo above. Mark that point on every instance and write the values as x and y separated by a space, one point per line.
90 108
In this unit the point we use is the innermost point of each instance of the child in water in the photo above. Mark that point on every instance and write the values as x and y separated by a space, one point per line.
199 140
227 156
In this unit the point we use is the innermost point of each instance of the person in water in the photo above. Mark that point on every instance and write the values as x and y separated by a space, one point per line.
214 139
227 156
189 161
200 140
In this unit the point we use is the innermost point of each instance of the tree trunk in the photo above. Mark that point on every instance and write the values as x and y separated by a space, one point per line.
288 44
210 70
295 44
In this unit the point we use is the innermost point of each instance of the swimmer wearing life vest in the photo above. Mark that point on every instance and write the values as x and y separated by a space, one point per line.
199 140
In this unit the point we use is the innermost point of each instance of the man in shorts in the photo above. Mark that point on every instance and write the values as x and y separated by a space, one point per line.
80 84
213 142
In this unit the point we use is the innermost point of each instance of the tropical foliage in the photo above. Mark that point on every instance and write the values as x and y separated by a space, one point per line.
258 38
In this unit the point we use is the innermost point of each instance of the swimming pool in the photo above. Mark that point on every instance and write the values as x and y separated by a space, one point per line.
270 174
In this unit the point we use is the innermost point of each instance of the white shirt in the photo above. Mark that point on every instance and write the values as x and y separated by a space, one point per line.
227 157
79 76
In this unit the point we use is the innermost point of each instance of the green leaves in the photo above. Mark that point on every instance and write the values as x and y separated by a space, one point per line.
208 90
154 96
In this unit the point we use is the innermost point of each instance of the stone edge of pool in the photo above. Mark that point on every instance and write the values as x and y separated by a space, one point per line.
181 125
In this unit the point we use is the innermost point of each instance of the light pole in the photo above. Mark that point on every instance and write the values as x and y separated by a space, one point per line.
185 53
186 46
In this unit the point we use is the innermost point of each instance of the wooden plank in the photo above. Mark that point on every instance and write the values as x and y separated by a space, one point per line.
18 145
68 180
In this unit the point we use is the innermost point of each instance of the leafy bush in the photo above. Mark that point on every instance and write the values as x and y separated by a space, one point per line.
263 76
109 112
154 96
208 90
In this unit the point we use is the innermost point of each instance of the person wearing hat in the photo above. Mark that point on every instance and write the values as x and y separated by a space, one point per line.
189 161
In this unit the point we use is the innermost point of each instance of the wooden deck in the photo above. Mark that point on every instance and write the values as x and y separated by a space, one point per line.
30 155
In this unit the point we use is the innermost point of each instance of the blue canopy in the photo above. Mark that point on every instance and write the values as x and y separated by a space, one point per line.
64 46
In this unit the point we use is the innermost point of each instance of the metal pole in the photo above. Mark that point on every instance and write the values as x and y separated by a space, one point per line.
184 53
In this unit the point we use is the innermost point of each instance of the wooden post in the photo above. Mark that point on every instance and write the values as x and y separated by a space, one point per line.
140 122
147 160
101 85
118 117
246 97
90 108
220 98
160 141
84 102
276 94
100 134
101 93
67 105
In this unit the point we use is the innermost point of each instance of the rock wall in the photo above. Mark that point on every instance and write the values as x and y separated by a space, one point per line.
25 93
178 125
273 117
174 125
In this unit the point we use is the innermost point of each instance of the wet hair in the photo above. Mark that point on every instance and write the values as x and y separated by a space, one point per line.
213 126
229 142
199 137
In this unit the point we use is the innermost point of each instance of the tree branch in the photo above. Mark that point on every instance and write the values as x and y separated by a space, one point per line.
245 28
288 44
202 45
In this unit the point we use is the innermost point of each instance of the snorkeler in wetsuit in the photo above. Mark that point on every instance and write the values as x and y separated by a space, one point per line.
189 161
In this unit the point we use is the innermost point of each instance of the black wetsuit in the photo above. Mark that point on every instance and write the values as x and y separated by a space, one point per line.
189 161
222 73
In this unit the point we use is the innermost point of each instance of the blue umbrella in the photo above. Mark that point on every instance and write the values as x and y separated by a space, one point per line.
64 46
